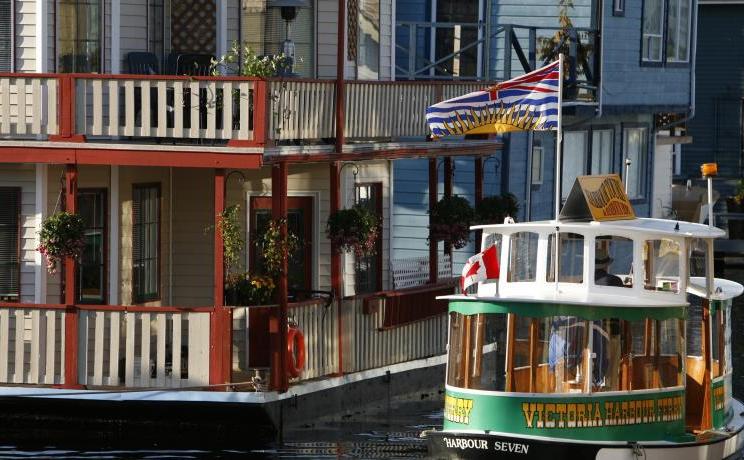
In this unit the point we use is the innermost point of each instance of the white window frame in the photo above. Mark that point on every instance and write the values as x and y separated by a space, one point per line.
569 155
675 57
537 164
595 152
646 37
638 165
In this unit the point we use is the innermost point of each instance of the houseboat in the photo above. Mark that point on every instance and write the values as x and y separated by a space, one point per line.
600 339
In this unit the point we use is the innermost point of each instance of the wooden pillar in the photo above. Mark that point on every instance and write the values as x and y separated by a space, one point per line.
433 243
220 337
706 419
66 111
340 64
448 173
534 337
278 321
71 312
336 280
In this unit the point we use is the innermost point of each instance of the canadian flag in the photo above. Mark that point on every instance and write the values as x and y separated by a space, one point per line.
481 267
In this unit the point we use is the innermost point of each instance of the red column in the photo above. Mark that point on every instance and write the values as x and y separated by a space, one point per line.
220 343
336 281
278 321
71 313
67 112
340 64
433 244
260 113
448 193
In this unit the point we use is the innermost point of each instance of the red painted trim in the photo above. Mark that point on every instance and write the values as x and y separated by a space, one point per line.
71 312
391 154
336 280
220 330
102 156
141 308
279 377
34 306
70 138
433 198
260 111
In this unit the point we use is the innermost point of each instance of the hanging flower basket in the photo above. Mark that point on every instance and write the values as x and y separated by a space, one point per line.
450 221
494 209
273 246
62 235
354 230
246 289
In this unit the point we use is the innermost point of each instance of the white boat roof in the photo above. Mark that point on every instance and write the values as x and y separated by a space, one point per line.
574 298
646 225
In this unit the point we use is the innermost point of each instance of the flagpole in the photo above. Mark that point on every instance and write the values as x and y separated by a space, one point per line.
559 139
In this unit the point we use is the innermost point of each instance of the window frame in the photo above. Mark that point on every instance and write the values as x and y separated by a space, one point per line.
664 60
537 172
19 192
138 297
377 187
101 38
102 192
644 181
12 41
618 8
588 153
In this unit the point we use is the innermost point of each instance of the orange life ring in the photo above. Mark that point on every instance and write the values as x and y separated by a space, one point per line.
295 352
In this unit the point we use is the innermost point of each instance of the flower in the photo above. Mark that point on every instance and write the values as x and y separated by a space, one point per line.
354 230
62 235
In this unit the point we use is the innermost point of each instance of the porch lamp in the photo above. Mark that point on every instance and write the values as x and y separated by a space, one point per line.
289 13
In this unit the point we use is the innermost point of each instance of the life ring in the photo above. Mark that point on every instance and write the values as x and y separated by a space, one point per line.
295 352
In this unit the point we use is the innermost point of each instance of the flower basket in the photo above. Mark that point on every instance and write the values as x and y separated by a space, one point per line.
354 230
245 289
450 221
62 235
274 246
494 209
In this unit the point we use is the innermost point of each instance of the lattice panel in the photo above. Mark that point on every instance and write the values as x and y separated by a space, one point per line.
193 24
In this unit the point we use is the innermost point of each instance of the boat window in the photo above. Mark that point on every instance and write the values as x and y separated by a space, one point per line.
522 256
661 264
491 240
477 351
655 354
697 250
568 349
571 260
613 261
727 339
717 330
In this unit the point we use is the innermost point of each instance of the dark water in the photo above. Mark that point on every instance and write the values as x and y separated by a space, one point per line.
392 434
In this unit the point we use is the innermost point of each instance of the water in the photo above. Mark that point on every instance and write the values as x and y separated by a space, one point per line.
392 434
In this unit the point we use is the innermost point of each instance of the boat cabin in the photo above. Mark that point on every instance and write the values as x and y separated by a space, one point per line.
594 330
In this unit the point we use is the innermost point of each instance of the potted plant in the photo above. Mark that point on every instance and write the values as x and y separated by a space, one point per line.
494 209
450 221
735 204
354 230
274 246
228 224
242 60
62 235
246 289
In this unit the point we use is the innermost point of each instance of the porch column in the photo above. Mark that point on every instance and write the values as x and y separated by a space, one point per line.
433 244
340 74
448 173
220 328
336 280
71 313
278 321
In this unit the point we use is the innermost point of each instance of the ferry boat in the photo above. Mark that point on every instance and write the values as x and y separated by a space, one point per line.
599 340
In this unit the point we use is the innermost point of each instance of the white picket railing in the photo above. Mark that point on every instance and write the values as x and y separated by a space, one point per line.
143 349
31 346
302 109
165 108
28 105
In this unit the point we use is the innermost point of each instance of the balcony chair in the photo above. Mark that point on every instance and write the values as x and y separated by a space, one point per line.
146 63
196 65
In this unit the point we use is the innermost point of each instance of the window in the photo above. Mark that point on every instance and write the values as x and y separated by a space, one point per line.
485 371
457 41
661 265
666 31
146 242
368 56
368 270
522 256
537 163
601 151
6 35
618 7
574 159
634 149
91 274
79 35
613 261
10 216
571 261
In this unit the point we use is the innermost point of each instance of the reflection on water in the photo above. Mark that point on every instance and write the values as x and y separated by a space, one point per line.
393 434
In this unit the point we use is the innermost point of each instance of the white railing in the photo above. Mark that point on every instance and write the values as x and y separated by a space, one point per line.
28 106
367 345
143 349
302 109
414 271
31 346
165 107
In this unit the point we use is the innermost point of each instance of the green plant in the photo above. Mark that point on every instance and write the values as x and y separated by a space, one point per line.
245 289
493 209
450 221
738 198
228 224
62 235
274 247
354 230
550 47
242 60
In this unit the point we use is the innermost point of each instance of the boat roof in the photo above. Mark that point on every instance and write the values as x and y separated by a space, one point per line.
661 227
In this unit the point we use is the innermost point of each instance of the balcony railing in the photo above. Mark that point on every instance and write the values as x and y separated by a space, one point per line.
213 110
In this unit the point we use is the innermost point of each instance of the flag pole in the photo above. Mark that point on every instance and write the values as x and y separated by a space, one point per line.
559 139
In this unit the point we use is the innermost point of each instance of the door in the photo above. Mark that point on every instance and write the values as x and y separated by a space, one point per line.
299 223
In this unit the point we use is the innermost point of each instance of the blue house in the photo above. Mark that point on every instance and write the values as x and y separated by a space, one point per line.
628 85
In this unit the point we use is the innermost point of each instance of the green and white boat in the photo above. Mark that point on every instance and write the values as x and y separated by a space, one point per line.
614 343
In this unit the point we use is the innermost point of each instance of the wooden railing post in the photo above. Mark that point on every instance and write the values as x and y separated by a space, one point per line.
433 243
71 379
340 75
278 321
220 329
336 280
67 111
260 116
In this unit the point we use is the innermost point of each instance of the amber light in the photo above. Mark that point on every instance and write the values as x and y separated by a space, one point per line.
709 169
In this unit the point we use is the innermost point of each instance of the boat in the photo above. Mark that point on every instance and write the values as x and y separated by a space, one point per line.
613 343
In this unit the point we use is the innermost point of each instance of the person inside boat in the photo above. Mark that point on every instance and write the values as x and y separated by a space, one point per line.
602 277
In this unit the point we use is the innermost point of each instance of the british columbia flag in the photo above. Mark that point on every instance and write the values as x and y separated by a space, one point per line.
529 102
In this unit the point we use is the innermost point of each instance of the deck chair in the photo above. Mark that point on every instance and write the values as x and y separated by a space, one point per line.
146 63
195 65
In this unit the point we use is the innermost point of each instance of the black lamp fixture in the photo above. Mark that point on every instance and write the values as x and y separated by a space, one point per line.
289 14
